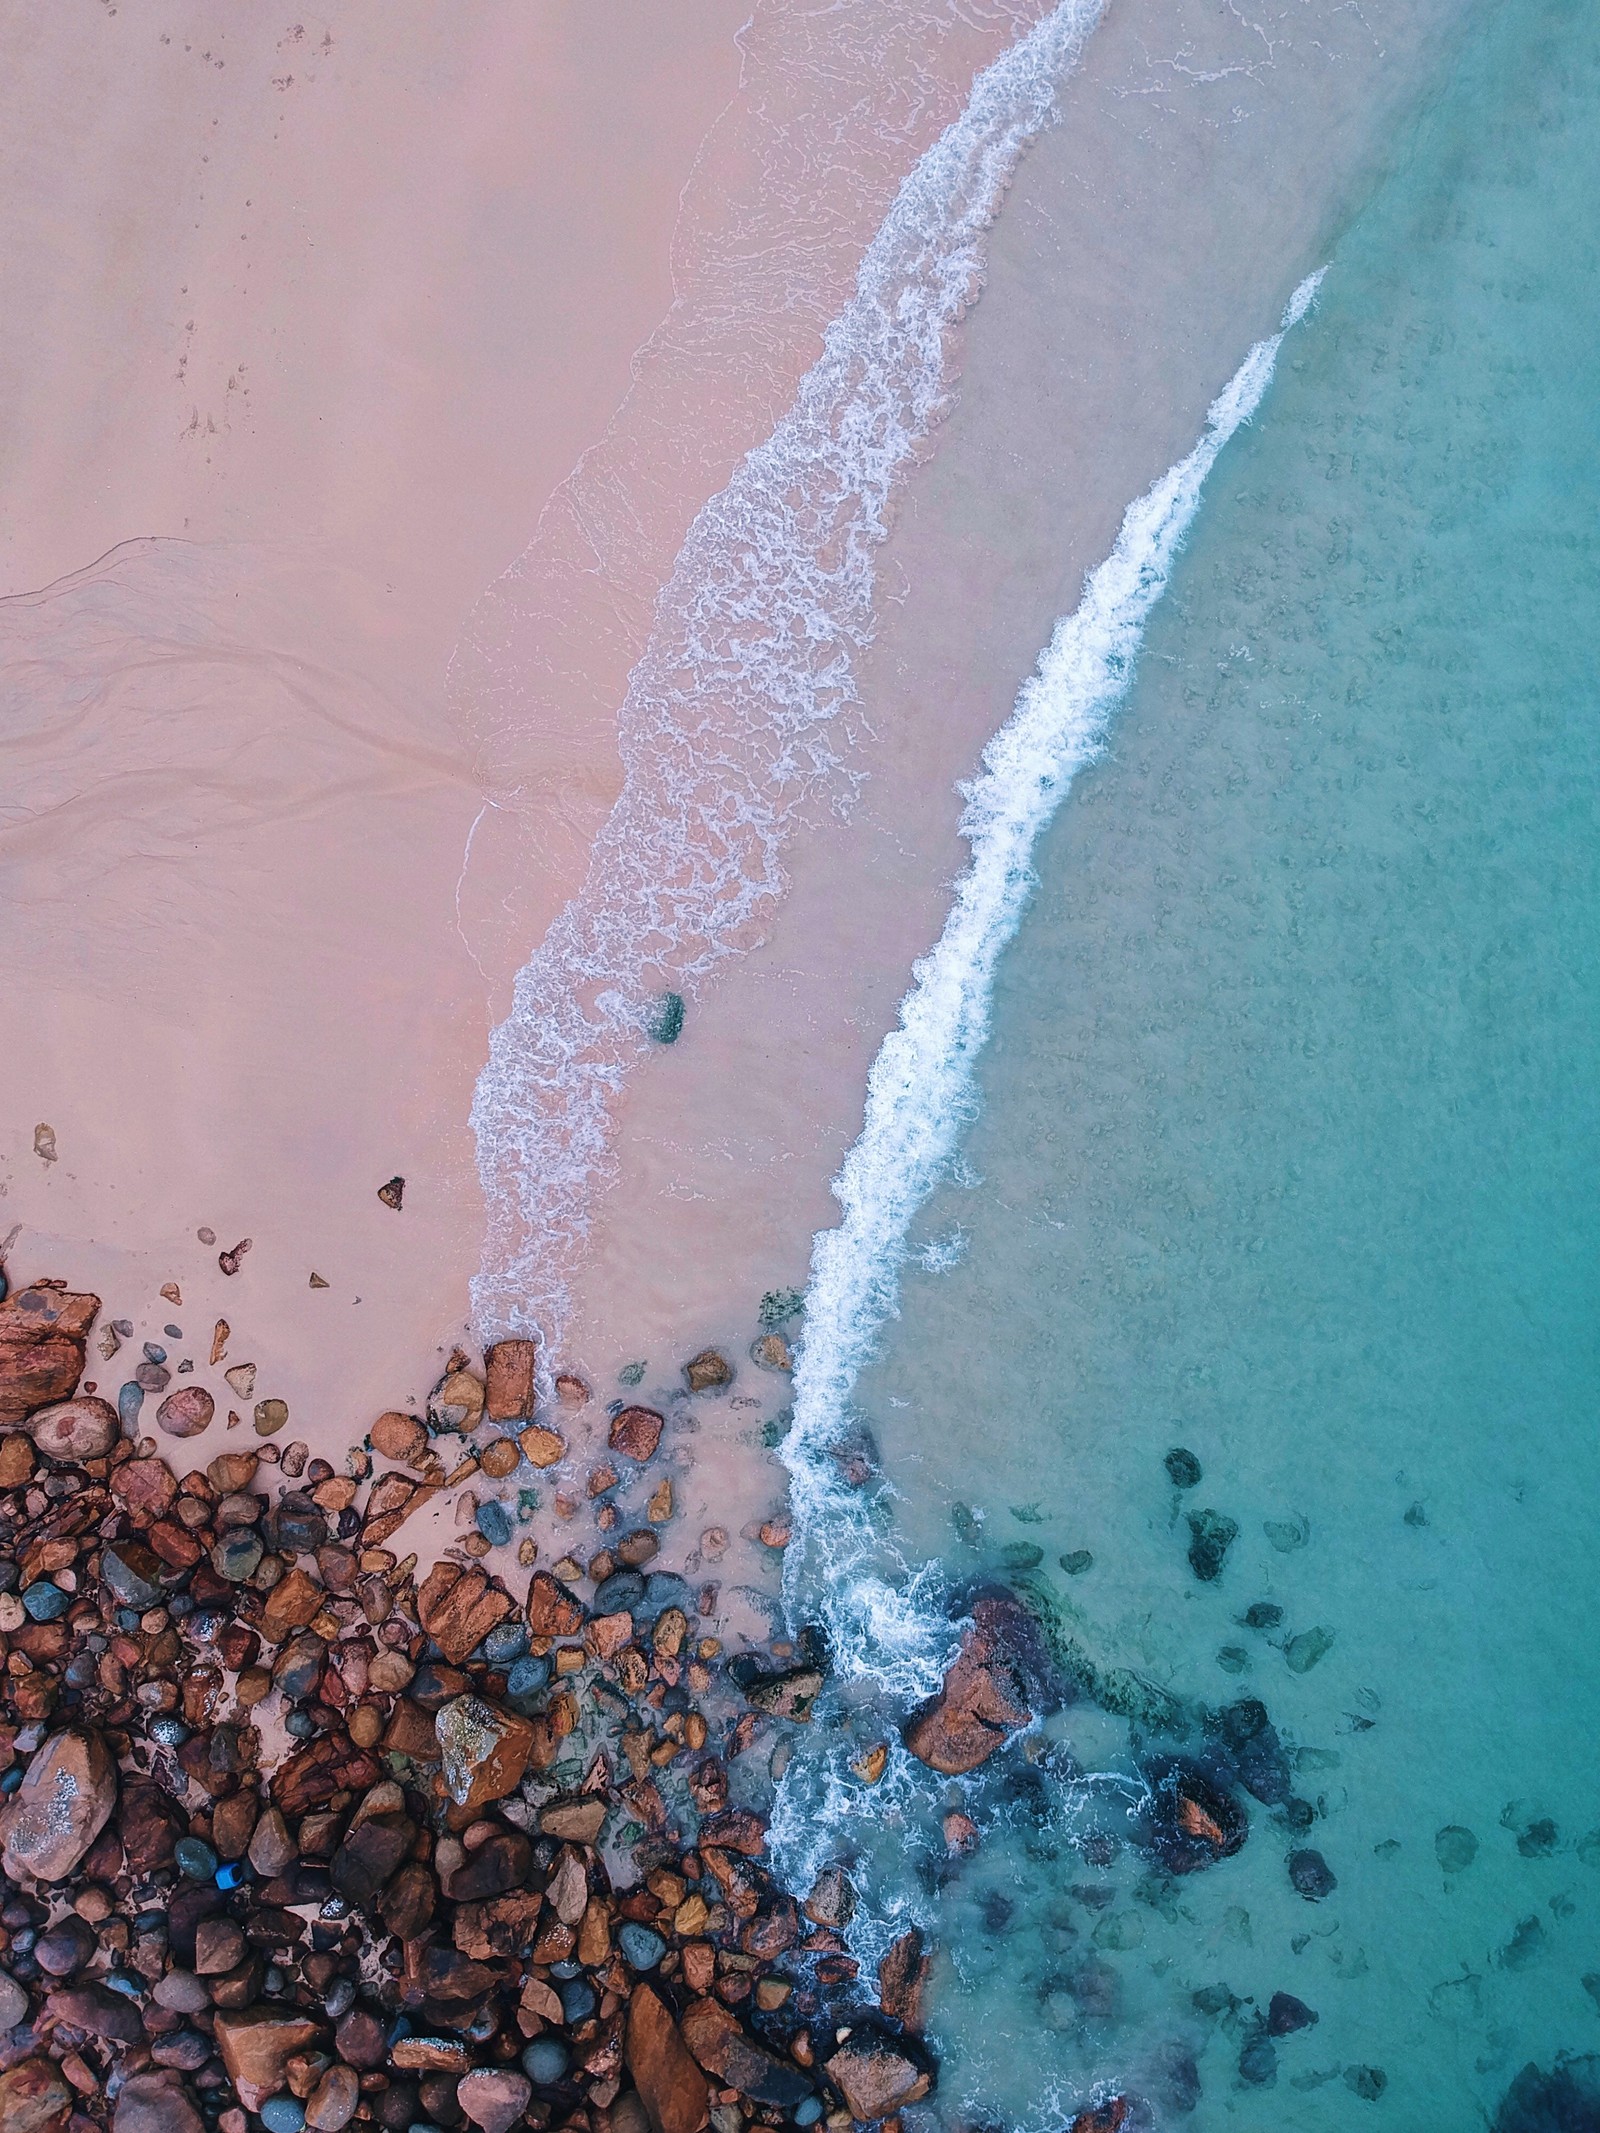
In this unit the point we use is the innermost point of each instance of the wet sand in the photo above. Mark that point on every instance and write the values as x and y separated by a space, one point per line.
294 345
1147 241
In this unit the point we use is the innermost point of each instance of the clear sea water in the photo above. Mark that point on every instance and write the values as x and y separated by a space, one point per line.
1289 1155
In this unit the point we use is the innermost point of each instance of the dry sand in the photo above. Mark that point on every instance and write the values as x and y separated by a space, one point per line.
295 339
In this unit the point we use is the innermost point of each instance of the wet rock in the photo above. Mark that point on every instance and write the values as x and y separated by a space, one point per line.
542 1447
717 2041
1455 1848
1286 2015
1258 1754
1564 2098
1303 1652
1183 1468
399 1437
408 1903
186 1412
789 1693
296 1524
132 1575
154 2103
293 1602
670 2084
1311 1875
42 1337
361 2041
484 1750
1109 2117
510 1371
13 2002
708 1371
66 1947
982 1703
1211 1535
903 1978
393 1193
63 1803
636 1432
494 2098
832 1901
75 1430
458 1608
1194 1821
576 1821
876 2072
256 2045
501 1863
1258 2060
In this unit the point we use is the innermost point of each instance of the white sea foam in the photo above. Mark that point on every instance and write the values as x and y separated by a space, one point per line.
921 1090
734 716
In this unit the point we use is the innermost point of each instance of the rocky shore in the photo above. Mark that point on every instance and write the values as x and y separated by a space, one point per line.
296 1832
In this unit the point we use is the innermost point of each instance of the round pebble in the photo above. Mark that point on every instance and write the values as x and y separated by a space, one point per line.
195 1858
807 2111
641 1949
545 2061
283 2114
46 1602
578 2000
505 1644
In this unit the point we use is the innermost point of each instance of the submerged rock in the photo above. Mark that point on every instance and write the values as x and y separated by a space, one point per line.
1563 2099
1194 1821
1211 1535
1311 1875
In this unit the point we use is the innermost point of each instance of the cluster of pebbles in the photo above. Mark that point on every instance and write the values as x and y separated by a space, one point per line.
293 1835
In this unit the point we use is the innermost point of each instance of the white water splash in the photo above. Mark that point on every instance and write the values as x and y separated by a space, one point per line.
733 716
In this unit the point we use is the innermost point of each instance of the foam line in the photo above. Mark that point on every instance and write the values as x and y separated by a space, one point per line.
732 719
921 1089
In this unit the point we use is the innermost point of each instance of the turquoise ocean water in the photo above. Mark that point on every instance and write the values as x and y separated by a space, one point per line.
1288 1157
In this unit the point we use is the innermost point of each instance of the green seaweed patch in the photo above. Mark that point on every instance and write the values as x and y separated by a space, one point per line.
778 1306
664 1023
1117 1690
776 1428
631 1373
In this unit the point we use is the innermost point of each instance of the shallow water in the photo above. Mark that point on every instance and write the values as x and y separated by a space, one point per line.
1287 1156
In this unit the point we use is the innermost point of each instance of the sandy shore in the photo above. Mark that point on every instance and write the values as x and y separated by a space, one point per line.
1149 239
295 343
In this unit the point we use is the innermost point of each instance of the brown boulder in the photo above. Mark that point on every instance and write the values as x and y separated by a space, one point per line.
671 2086
510 1370
186 1412
484 1750
42 1335
902 1978
399 1437
256 2045
552 1610
332 2103
33 2098
149 1822
146 1488
391 1503
980 1706
63 1803
458 1608
722 2048
314 1773
875 2077
75 1430
636 1432
494 2098
294 1601
708 1371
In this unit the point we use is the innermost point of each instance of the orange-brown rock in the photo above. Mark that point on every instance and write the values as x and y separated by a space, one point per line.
42 1336
411 1732
186 1412
575 1821
64 1801
902 1978
399 1437
671 2086
875 2077
716 2039
1102 2117
458 1608
294 1601
484 1750
328 1764
256 2045
607 1634
708 1371
636 1432
552 1610
542 1447
979 1707
392 1500
510 1373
